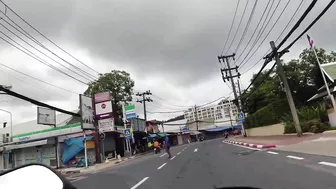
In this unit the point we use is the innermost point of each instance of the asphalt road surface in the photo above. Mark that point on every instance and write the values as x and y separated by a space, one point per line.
215 164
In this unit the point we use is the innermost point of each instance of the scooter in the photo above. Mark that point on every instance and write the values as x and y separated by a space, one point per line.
157 150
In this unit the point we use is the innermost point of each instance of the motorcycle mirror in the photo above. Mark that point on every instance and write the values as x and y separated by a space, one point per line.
33 176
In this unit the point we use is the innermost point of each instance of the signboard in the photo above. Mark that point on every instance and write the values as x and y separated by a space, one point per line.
102 97
46 116
86 112
130 111
106 125
240 116
103 108
127 132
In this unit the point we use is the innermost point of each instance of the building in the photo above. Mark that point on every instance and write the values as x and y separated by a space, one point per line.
224 111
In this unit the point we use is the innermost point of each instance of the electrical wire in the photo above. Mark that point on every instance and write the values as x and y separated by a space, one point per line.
247 25
241 19
276 21
37 79
7 7
290 21
233 20
29 53
310 25
83 76
255 30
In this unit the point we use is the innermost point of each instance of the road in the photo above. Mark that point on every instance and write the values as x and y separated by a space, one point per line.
215 164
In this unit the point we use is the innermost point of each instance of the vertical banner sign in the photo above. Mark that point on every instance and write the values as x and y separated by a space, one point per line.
86 112
46 116
130 112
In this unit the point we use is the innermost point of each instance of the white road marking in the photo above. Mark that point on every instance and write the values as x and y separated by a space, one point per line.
163 154
162 166
79 178
179 153
327 163
172 158
195 150
270 152
295 157
139 183
184 149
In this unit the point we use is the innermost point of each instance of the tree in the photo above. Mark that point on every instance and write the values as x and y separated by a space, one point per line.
119 83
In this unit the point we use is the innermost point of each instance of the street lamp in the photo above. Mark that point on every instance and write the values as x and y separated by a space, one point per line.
11 123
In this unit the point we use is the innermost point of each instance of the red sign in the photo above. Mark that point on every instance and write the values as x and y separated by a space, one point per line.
103 106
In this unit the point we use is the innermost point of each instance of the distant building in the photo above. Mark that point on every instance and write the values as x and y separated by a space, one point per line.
224 111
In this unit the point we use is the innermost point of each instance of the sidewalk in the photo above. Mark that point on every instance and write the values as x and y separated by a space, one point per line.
96 167
319 144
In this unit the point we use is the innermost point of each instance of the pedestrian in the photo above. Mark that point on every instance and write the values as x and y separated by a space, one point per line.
167 144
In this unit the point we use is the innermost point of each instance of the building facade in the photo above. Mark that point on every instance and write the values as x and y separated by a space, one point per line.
224 111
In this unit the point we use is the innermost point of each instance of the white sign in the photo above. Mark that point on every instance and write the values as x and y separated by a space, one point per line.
86 112
103 108
106 125
46 116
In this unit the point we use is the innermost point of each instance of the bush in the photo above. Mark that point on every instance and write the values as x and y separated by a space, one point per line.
313 126
270 114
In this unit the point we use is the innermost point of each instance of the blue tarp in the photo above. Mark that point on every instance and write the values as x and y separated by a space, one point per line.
217 129
152 135
72 147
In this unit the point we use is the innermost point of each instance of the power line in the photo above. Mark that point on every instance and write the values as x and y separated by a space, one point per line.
241 19
31 54
310 25
290 21
247 25
255 30
42 35
41 52
276 21
233 20
38 79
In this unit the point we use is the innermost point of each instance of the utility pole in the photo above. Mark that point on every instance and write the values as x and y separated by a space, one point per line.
144 100
196 118
240 95
229 77
287 89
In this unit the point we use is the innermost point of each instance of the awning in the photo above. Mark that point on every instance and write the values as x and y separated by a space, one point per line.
217 129
28 144
152 135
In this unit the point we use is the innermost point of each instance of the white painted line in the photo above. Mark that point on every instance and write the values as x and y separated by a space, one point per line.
184 148
79 178
195 150
270 152
139 183
295 157
327 163
172 158
163 154
179 153
162 166
246 147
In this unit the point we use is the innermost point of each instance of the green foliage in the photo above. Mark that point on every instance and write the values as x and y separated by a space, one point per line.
270 114
304 78
312 119
119 83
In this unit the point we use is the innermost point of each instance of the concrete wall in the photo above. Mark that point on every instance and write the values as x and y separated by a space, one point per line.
276 129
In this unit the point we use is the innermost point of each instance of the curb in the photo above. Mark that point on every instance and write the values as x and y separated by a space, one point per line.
260 146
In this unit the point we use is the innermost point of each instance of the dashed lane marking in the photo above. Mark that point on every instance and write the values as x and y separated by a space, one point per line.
295 157
270 152
139 183
162 166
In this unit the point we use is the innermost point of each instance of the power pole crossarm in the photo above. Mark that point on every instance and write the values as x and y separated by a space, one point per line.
287 89
144 100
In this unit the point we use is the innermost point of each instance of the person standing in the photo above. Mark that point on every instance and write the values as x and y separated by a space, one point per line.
167 145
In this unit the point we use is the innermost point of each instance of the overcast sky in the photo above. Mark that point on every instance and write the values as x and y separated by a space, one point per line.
168 47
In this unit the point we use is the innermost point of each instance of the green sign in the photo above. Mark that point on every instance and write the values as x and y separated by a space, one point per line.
130 107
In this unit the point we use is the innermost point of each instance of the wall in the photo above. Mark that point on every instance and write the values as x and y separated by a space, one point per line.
275 129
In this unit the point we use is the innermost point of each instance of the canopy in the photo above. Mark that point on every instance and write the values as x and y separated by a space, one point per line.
217 129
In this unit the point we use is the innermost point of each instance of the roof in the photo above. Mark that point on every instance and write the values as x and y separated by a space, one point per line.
330 70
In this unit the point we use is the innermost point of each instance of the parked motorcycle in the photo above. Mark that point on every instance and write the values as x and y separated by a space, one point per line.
157 150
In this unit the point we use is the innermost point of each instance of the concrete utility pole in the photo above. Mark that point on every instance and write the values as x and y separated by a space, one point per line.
144 99
196 118
229 77
281 73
